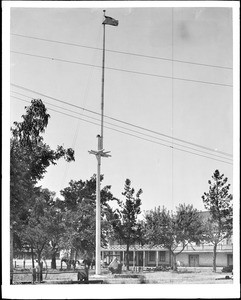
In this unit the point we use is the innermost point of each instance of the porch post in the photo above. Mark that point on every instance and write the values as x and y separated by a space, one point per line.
157 257
144 258
134 259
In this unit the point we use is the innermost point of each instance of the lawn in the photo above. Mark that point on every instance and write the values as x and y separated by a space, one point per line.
189 276
183 276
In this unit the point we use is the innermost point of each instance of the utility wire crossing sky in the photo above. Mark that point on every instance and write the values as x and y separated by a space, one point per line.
158 133
168 95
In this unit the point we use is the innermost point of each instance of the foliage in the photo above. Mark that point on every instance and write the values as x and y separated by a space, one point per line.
57 229
36 232
80 206
80 225
218 201
174 230
45 230
125 222
29 159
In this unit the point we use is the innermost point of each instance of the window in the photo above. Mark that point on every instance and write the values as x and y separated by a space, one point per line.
162 255
130 255
152 256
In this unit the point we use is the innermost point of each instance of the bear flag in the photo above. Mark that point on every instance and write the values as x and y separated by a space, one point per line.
110 21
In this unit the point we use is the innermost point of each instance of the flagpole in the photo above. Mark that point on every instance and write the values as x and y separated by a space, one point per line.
98 214
98 156
100 153
102 89
100 147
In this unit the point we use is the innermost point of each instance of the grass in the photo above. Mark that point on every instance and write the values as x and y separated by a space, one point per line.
184 275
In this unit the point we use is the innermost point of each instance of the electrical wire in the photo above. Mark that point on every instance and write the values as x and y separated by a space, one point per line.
123 52
132 135
84 97
121 70
123 122
141 133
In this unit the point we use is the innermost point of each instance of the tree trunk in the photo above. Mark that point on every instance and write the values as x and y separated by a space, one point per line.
53 261
40 269
174 261
46 267
32 256
214 257
76 255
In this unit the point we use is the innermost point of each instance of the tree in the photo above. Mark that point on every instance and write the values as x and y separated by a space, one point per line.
80 206
174 230
46 229
29 160
81 229
57 227
125 221
218 201
37 231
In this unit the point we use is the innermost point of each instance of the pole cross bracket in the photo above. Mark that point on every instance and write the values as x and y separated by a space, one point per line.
100 153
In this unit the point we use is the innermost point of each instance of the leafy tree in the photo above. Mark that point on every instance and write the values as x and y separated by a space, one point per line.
80 206
80 223
57 227
29 159
174 230
218 201
37 231
125 222
45 231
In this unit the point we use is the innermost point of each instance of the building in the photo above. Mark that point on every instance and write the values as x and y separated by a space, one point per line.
192 255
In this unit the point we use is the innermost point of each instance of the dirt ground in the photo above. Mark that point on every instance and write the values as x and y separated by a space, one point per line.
185 275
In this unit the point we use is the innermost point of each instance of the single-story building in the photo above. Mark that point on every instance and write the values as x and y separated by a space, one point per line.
191 256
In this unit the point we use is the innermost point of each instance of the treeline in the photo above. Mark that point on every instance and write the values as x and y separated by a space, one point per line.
46 225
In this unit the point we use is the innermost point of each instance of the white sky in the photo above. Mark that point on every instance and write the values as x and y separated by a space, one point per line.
199 113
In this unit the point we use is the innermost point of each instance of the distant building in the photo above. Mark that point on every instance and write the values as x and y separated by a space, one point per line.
192 256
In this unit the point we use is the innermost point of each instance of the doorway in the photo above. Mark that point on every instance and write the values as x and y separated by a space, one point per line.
230 259
193 260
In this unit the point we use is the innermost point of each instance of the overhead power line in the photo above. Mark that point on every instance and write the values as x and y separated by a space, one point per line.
123 122
121 70
110 128
135 131
123 52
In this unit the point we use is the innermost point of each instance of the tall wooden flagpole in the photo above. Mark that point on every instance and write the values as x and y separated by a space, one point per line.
102 87
100 153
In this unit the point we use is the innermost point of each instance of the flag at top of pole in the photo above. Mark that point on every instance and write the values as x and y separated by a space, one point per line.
110 21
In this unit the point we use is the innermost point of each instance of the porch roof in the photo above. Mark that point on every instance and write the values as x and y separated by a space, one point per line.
133 248
188 248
